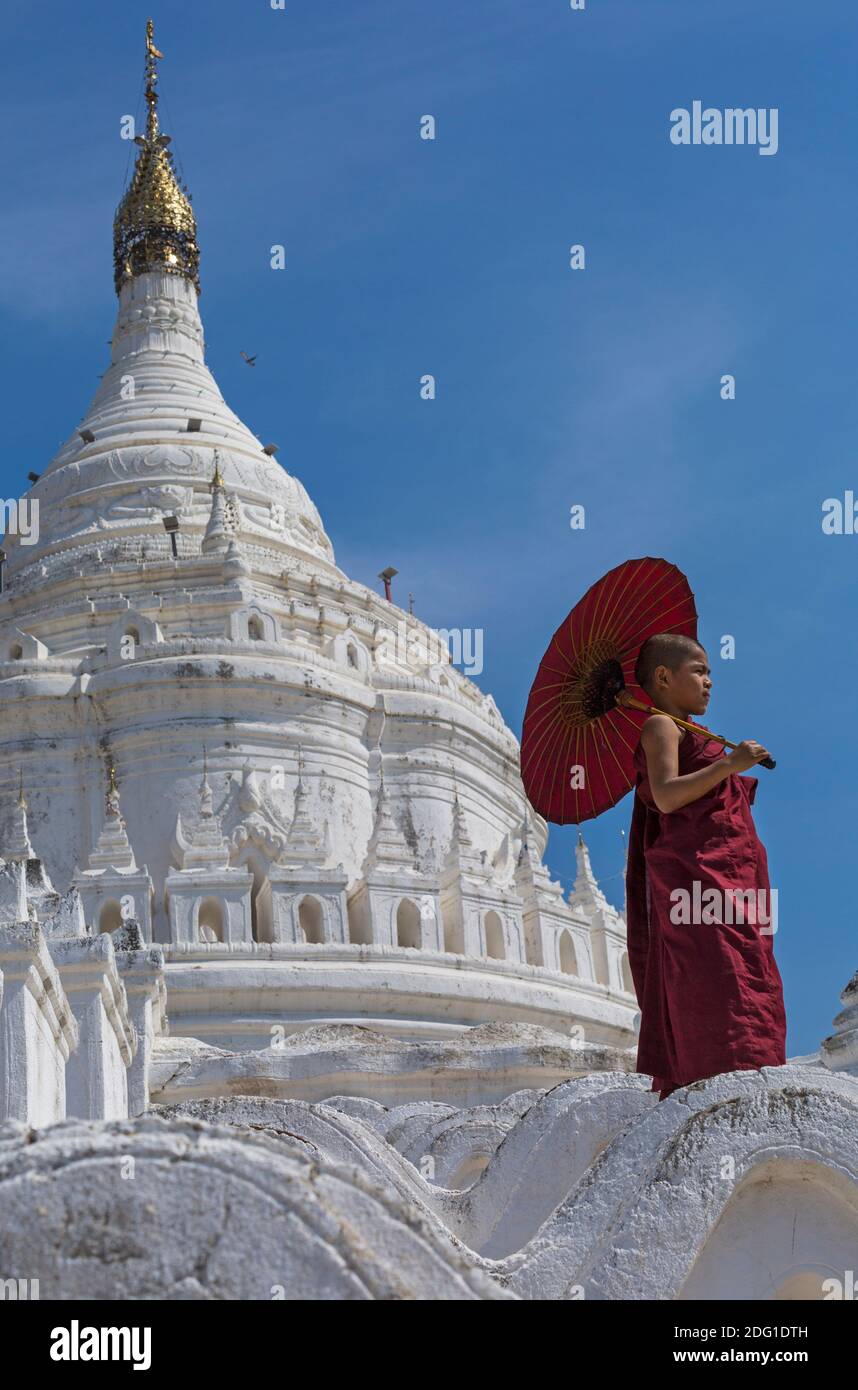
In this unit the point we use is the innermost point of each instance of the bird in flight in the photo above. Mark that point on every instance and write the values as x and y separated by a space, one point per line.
251 361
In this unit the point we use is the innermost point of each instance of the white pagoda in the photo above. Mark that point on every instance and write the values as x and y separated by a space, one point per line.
275 923
361 852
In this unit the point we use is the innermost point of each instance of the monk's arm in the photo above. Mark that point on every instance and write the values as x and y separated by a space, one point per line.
660 740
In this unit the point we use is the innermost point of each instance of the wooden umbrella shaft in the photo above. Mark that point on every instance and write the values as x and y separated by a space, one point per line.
629 700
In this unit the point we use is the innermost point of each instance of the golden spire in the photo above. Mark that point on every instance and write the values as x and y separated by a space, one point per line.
22 800
217 480
150 42
152 54
154 227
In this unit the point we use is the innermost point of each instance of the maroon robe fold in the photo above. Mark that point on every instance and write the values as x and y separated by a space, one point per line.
711 995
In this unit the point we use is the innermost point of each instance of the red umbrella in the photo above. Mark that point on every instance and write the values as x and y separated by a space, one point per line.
573 719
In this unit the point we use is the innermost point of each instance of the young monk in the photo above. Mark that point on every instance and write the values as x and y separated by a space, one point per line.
709 990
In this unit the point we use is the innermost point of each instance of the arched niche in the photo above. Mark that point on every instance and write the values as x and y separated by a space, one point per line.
806 1286
311 920
348 651
567 958
360 925
131 630
495 944
109 916
252 624
790 1225
451 934
438 675
21 646
408 925
210 920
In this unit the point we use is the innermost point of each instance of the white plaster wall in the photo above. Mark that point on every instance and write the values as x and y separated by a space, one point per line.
788 1228
46 1088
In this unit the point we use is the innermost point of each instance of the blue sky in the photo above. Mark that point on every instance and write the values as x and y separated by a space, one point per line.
450 257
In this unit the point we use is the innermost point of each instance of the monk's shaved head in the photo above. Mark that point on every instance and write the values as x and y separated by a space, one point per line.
668 649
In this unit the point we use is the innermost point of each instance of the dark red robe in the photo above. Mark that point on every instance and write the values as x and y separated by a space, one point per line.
710 994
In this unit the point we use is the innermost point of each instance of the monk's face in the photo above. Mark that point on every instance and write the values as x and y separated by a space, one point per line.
690 684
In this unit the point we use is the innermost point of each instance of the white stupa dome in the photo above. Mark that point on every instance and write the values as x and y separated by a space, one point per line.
309 807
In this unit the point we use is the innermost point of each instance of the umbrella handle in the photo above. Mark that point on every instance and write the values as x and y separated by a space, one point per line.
624 698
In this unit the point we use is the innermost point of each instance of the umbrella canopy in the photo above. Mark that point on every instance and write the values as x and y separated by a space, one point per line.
577 744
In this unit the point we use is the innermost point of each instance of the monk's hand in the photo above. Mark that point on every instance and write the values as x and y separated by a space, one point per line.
747 754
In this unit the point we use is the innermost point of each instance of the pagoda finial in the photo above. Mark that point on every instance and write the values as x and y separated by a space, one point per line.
154 228
152 55
306 842
112 790
525 831
216 538
17 844
112 852
206 798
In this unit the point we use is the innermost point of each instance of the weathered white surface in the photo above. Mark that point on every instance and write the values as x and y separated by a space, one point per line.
37 1028
96 1072
452 1145
150 1209
483 1065
593 1189
840 1050
244 996
68 1033
142 971
639 1225
112 888
514 1165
